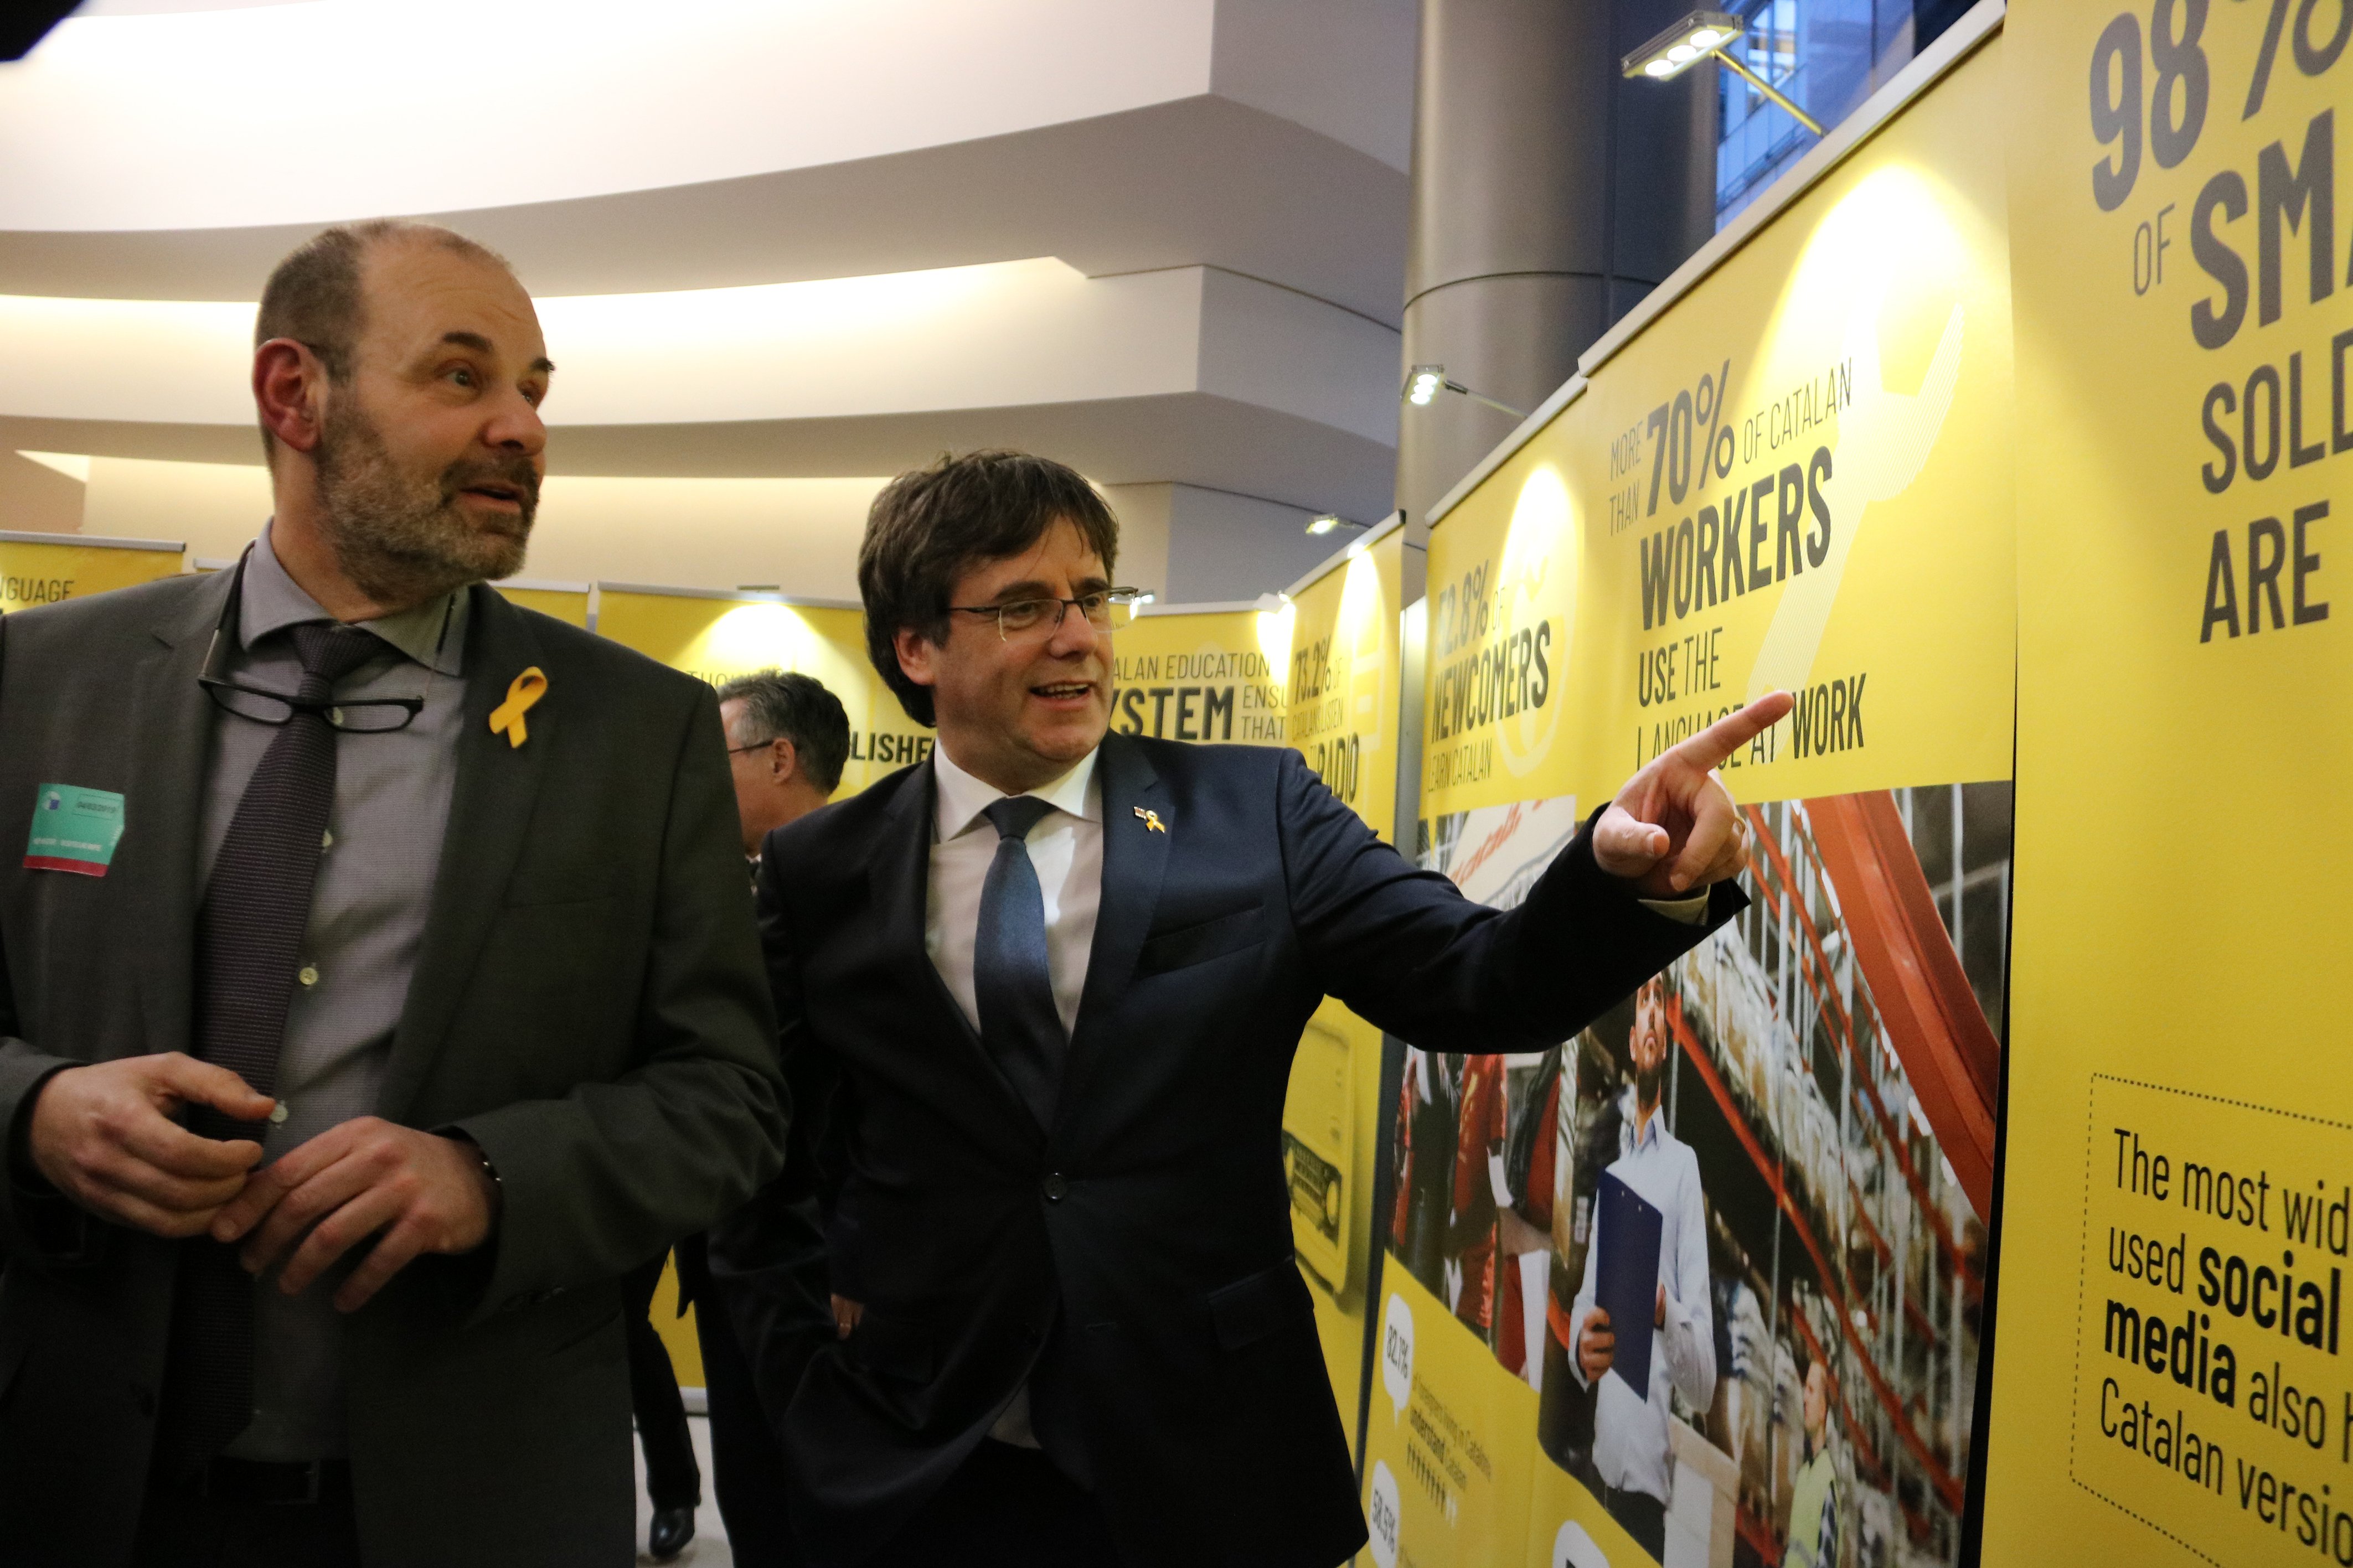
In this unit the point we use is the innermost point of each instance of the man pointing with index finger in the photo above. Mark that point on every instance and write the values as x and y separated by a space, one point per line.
1059 975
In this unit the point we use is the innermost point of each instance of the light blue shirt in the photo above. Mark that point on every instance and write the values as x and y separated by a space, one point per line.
1632 1449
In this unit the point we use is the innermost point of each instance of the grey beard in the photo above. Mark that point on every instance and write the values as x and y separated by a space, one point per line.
403 542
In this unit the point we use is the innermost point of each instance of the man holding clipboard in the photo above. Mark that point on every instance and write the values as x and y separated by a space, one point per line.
1650 1228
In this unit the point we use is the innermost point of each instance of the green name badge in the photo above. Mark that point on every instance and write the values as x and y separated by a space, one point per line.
74 829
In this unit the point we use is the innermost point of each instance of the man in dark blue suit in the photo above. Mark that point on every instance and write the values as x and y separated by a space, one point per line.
1058 977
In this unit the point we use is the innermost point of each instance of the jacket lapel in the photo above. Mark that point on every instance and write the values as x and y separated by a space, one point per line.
497 788
173 718
1136 856
901 880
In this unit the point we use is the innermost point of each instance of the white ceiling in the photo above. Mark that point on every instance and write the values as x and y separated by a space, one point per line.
1162 239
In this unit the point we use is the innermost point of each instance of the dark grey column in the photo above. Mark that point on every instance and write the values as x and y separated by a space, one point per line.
1548 197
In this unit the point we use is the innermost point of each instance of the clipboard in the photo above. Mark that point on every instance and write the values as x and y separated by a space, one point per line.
1626 1282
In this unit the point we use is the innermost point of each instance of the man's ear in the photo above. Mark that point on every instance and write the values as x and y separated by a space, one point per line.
289 388
784 759
915 653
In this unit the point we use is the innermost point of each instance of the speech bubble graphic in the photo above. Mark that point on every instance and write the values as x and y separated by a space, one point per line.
1397 1353
1381 1513
1572 1548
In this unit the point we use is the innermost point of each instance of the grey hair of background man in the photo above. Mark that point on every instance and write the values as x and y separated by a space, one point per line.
314 296
786 705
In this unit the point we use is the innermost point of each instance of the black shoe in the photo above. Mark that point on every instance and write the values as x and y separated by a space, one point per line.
673 1528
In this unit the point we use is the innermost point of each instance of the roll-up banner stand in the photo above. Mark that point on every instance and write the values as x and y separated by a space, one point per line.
1790 469
1317 668
43 568
1342 695
719 635
2174 1382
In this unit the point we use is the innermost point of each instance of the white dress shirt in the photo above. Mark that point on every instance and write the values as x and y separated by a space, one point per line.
1066 848
1631 1445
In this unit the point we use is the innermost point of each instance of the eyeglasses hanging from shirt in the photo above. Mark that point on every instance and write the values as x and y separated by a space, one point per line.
367 716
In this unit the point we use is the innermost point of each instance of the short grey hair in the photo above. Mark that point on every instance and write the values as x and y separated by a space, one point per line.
786 705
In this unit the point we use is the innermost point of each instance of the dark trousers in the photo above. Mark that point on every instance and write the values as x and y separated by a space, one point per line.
182 1527
1642 1516
672 1477
748 1466
1006 1508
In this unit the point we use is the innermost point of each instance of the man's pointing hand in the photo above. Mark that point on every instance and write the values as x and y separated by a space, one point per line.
1673 829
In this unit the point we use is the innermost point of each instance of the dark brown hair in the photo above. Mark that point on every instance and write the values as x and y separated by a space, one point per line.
929 527
314 296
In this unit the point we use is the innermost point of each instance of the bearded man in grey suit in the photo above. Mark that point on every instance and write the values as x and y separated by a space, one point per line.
377 986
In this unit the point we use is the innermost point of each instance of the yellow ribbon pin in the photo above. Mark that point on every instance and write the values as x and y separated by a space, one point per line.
1152 822
506 719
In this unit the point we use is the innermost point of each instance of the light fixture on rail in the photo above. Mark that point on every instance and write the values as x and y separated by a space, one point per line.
1696 38
1319 526
1425 381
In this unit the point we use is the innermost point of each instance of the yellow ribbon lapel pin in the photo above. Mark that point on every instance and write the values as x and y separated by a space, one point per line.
1151 820
506 719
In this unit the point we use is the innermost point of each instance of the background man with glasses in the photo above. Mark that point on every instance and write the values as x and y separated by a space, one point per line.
1060 974
787 742
410 998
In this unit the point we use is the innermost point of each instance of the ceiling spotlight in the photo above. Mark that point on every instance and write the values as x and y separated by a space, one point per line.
1327 522
1425 381
1700 36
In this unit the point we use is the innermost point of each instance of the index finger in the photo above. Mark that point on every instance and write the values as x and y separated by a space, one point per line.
1714 745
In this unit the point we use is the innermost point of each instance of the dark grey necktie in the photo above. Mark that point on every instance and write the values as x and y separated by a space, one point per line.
249 931
1012 980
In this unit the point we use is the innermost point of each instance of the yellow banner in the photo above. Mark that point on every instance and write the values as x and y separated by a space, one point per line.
2171 1382
1345 675
721 637
1447 1457
42 569
568 605
1797 476
1184 673
1344 686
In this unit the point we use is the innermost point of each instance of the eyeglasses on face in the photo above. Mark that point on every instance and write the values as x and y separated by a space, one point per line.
1106 609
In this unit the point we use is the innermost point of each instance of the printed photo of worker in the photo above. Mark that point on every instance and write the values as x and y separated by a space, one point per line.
1812 1350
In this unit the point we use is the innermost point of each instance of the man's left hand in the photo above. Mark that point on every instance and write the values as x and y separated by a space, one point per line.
1673 829
413 1191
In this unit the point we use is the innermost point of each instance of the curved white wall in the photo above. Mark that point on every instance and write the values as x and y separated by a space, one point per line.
337 109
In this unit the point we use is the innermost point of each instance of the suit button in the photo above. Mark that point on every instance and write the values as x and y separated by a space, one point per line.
1054 1188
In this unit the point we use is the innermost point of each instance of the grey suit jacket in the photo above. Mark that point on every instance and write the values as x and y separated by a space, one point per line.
589 1006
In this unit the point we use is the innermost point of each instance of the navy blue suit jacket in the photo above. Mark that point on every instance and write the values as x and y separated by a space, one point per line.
1133 1261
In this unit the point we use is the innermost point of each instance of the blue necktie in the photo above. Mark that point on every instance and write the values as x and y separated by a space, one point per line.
1011 979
